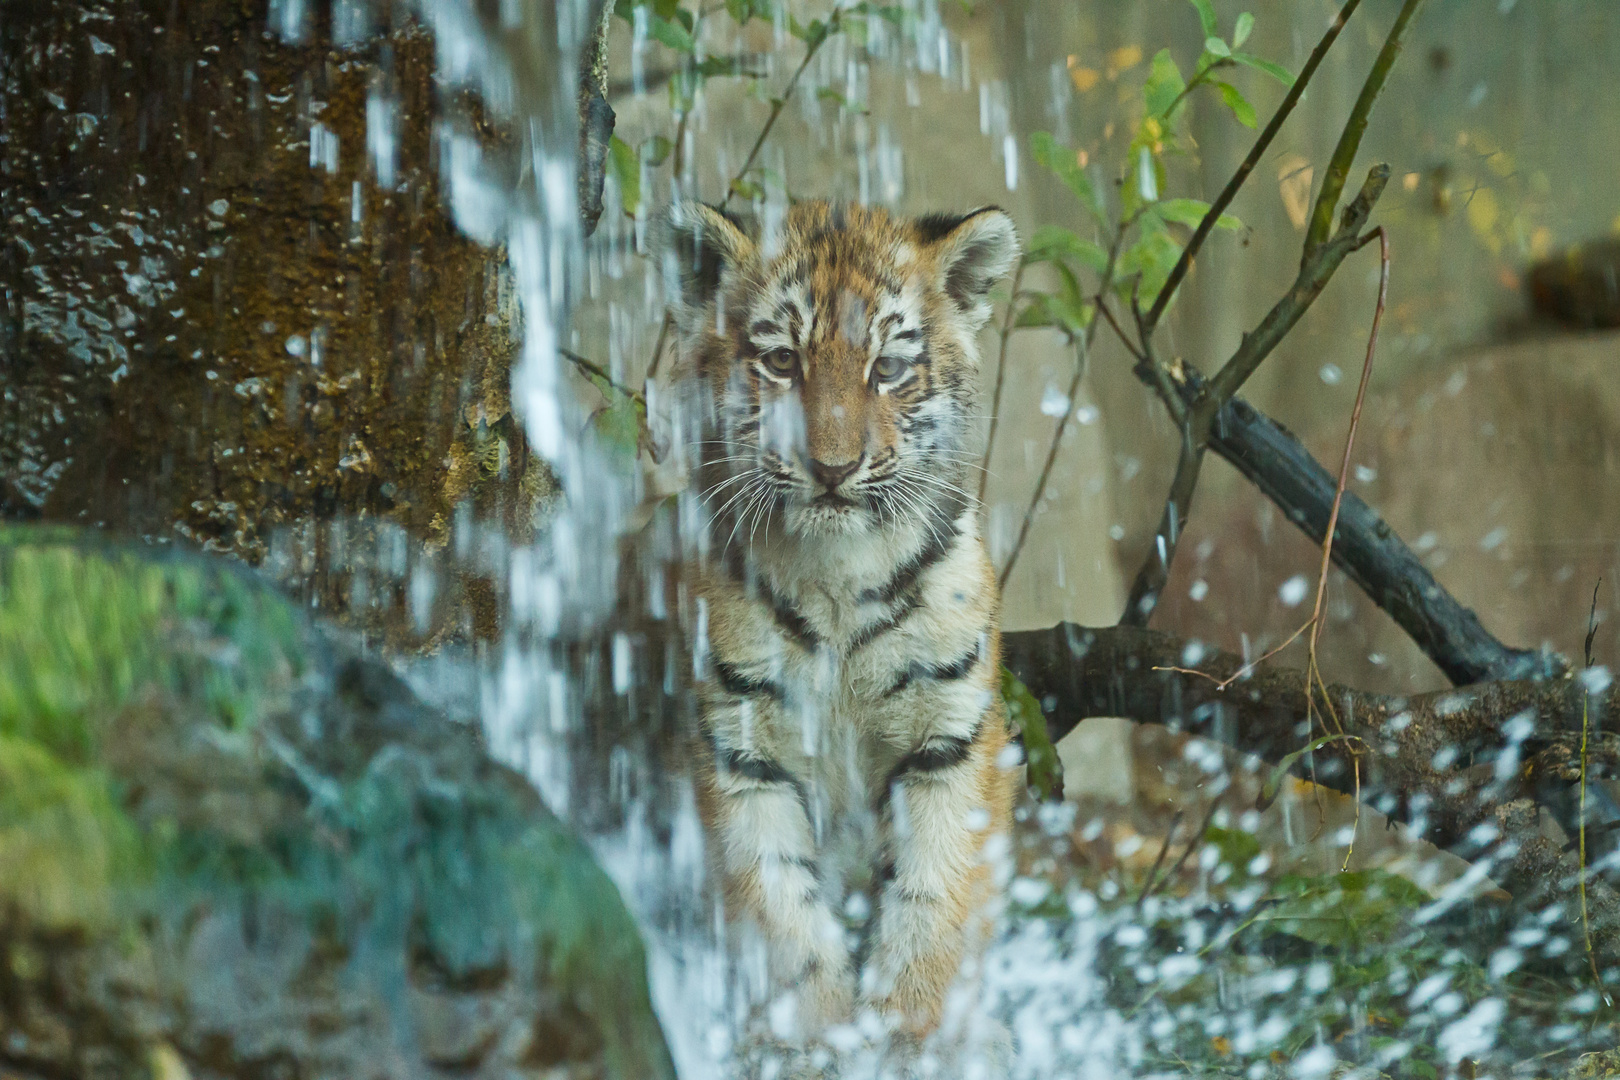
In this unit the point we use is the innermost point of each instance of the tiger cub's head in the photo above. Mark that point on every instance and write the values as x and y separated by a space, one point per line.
839 356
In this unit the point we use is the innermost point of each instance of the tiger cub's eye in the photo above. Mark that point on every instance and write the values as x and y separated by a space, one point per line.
888 367
781 362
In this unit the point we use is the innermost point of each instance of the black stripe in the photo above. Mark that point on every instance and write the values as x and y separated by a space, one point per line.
755 767
938 546
733 681
762 769
956 669
763 327
882 626
788 618
933 756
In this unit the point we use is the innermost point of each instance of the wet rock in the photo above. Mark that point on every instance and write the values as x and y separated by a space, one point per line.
236 305
232 846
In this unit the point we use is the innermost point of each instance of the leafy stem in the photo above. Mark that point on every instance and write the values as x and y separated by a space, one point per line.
1261 144
814 40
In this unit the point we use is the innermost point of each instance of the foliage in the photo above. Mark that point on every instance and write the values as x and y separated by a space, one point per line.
1024 715
1141 246
678 28
1237 970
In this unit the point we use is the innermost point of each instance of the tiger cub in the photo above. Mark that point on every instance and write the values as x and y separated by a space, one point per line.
855 754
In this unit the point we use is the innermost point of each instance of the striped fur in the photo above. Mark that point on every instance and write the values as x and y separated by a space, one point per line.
854 736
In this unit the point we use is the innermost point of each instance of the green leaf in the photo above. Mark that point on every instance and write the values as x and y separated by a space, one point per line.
1342 910
1152 256
618 424
828 94
1052 242
1038 312
626 166
1268 791
1164 83
1216 47
1241 109
812 34
1206 15
671 34
655 150
747 189
1051 154
1190 212
724 66
666 9
1073 311
1241 32
1237 848
1024 715
1276 71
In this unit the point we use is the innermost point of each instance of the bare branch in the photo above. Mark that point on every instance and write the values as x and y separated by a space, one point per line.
779 103
1007 327
1207 403
1367 549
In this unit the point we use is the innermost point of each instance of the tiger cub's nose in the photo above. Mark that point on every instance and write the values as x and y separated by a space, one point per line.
830 476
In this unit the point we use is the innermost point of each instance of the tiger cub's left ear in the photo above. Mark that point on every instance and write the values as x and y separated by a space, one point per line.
972 252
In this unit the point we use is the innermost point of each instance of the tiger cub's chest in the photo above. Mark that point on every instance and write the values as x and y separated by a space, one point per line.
840 677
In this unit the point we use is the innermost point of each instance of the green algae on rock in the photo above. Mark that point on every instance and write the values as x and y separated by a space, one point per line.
231 843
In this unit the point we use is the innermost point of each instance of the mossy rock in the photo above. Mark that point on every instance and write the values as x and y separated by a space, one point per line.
232 846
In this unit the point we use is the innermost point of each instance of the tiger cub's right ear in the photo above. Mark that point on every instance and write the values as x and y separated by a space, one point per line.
700 245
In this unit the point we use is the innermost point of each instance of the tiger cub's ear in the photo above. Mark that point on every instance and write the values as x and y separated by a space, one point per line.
700 246
972 252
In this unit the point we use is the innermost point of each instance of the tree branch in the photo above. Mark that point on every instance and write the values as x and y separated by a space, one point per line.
1077 672
1367 549
1206 404
1344 155
1458 766
1318 262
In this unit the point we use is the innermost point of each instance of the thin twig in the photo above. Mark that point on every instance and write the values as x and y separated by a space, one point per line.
1586 701
1119 331
1155 571
1313 671
1248 667
658 346
1083 349
1197 838
1164 849
1350 435
1001 376
597 371
1082 352
1344 155
1228 193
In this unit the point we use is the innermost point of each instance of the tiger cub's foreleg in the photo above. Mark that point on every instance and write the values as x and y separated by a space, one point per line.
759 814
947 798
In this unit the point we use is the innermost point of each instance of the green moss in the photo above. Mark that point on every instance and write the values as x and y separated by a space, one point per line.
85 628
66 847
